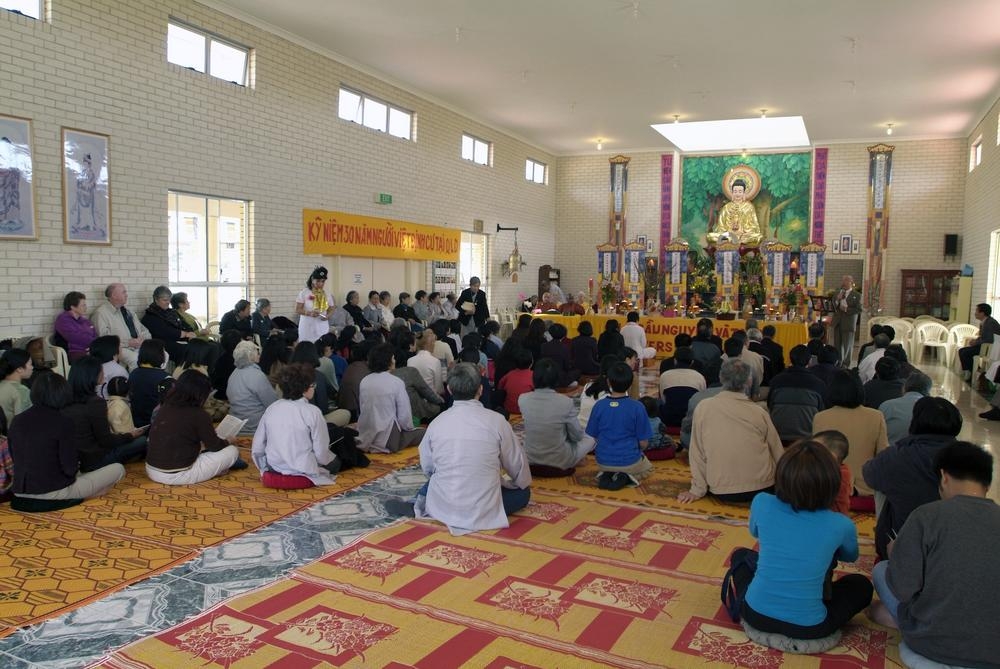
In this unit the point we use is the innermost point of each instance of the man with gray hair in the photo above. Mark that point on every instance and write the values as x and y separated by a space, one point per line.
734 445
899 412
465 452
114 318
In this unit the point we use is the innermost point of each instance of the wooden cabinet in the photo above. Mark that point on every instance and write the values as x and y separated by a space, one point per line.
926 293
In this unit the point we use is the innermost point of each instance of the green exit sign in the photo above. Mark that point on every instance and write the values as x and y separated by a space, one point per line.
383 198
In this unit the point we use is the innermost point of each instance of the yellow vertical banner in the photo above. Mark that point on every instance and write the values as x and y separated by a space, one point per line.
339 233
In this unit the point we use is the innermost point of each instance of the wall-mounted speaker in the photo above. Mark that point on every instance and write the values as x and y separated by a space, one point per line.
951 245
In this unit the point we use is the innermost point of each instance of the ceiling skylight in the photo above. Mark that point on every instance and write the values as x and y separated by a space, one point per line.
736 134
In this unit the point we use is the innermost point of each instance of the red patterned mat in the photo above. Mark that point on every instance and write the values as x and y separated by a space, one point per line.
572 583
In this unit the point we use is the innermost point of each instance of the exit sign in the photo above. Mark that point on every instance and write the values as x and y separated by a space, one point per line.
383 198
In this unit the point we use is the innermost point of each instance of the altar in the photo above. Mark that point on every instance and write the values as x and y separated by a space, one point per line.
661 330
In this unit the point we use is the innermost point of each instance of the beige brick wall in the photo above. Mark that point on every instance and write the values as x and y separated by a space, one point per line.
982 207
928 201
100 65
582 205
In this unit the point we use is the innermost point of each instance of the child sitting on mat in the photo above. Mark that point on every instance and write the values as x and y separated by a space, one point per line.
661 446
119 408
621 427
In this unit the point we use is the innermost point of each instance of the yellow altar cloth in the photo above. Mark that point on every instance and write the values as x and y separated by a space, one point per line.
660 330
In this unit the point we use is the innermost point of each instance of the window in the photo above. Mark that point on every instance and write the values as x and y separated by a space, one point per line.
534 171
477 150
375 114
204 52
473 259
976 153
30 8
207 244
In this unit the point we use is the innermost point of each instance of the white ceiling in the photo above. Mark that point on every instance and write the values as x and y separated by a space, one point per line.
563 73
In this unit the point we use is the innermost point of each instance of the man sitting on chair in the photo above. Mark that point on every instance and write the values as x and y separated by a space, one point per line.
988 328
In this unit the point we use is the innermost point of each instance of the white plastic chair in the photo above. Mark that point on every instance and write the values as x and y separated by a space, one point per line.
904 334
957 334
929 333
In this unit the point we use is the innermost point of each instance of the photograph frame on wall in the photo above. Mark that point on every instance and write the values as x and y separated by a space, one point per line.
649 246
641 239
845 243
17 182
86 187
836 247
856 246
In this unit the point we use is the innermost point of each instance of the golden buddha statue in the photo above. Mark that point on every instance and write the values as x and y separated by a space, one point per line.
737 220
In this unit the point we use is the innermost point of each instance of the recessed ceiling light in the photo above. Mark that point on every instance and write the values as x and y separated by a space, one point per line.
736 134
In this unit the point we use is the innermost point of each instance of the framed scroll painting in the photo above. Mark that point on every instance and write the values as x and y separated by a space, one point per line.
86 188
17 180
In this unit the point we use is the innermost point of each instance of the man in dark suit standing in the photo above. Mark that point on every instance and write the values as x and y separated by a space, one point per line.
847 307
988 328
472 309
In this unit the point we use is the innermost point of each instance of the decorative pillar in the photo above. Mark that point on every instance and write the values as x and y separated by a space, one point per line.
634 272
778 258
879 192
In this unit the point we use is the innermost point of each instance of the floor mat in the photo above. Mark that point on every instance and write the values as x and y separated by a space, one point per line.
54 562
660 489
571 583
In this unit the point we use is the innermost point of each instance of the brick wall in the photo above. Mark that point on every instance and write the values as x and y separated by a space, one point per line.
100 65
982 204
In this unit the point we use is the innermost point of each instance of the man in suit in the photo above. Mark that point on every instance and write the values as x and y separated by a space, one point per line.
472 309
774 351
114 318
847 307
988 328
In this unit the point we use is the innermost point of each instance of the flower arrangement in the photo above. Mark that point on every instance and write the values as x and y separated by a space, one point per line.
701 274
610 292
752 277
793 296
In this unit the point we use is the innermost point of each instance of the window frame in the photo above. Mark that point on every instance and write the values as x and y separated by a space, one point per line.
211 37
389 109
41 11
534 165
181 283
480 140
976 153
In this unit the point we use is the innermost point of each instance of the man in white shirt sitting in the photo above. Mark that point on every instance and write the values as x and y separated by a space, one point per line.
465 452
866 369
635 337
114 318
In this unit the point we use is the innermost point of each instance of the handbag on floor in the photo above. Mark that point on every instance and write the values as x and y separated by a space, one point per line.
343 442
742 567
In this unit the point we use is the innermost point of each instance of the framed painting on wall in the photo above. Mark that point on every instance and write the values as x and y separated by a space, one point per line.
17 181
856 246
845 243
836 247
86 188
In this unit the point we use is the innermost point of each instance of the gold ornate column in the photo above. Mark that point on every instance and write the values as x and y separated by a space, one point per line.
879 192
618 203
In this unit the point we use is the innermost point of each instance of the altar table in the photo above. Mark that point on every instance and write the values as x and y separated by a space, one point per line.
661 330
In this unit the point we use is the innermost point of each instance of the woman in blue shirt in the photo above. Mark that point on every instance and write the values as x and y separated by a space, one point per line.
801 539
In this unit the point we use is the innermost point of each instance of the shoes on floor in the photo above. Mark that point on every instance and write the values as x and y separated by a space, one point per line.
614 480
967 377
992 414
238 465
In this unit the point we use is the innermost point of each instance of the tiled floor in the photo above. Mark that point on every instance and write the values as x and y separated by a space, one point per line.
255 559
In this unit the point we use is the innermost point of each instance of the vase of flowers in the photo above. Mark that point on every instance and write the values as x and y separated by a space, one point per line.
610 292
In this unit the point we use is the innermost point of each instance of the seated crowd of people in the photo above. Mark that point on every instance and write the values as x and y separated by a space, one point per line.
804 444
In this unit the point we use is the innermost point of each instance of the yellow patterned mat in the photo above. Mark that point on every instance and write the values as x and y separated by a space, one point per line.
660 490
572 583
53 562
